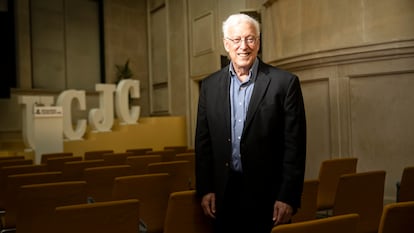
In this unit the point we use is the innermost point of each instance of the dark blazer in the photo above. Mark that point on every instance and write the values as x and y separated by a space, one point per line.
273 143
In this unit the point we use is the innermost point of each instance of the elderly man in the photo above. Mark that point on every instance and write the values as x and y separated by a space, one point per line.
250 139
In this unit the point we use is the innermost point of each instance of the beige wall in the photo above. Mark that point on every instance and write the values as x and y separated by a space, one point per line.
125 37
355 60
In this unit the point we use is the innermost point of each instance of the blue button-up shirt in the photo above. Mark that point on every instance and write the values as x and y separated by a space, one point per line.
240 94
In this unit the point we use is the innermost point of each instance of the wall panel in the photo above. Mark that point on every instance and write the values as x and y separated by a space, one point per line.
381 107
317 106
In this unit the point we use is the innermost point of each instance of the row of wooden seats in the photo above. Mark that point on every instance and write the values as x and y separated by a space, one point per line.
74 170
342 190
99 179
73 166
189 218
315 184
167 152
184 215
395 218
33 201
361 193
11 157
58 207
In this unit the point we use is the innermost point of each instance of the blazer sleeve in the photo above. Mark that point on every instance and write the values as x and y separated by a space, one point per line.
295 145
203 147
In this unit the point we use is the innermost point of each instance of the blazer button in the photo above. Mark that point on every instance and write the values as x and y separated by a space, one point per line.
226 164
228 139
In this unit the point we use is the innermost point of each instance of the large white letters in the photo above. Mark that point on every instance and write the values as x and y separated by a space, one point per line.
27 103
101 119
127 88
65 100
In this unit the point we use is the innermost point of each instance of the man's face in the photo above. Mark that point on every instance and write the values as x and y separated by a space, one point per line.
242 44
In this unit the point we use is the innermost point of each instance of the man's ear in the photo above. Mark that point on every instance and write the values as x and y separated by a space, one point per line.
226 45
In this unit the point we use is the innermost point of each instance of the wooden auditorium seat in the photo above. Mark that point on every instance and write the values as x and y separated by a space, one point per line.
100 180
14 170
11 157
139 151
6 163
189 156
100 217
329 173
185 215
116 158
361 193
152 191
308 208
74 170
139 163
46 156
406 187
334 224
37 202
166 155
96 154
397 218
56 163
14 182
177 149
181 173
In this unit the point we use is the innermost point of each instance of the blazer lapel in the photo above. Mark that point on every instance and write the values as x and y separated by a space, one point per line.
223 93
260 87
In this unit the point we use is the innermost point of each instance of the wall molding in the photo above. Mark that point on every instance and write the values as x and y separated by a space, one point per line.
363 53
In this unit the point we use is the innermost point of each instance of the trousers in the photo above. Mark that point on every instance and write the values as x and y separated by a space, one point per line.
238 214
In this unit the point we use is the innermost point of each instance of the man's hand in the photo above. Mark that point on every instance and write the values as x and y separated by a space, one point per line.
208 203
282 213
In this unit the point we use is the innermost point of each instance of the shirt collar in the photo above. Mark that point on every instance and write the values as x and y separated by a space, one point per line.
252 71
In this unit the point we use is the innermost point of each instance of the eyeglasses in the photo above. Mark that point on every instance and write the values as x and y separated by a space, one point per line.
249 40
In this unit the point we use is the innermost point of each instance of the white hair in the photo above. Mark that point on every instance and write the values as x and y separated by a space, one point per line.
235 19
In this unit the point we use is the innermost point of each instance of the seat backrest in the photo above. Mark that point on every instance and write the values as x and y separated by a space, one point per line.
406 191
96 154
177 149
139 163
47 156
335 224
37 202
13 170
180 172
6 163
361 193
103 217
308 208
397 218
190 157
329 173
152 191
166 155
185 215
56 163
100 180
116 158
14 182
74 170
139 151
11 157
